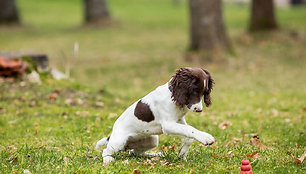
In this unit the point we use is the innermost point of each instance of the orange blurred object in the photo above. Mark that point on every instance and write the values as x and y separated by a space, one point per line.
11 67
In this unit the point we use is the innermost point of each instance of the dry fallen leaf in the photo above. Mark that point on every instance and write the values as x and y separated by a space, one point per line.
237 139
299 160
254 155
215 145
302 158
274 112
36 125
149 162
36 131
12 122
56 148
234 143
78 171
192 172
136 171
40 147
11 147
256 142
157 158
26 171
214 154
230 153
69 101
82 113
166 163
224 124
173 146
53 95
112 115
99 104
164 148
11 159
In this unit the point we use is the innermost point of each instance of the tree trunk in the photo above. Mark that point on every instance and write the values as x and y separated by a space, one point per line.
96 12
262 15
207 29
8 12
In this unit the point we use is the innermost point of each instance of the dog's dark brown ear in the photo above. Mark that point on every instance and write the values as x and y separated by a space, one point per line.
208 88
180 84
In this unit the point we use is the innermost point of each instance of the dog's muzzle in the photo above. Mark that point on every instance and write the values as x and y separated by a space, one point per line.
198 107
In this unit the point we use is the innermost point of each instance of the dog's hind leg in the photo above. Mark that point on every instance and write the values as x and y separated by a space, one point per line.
115 144
139 146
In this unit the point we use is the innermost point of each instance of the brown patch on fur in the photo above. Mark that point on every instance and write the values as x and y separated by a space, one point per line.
180 84
187 86
142 143
143 112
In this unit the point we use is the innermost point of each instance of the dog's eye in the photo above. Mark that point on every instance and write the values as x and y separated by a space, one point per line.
196 91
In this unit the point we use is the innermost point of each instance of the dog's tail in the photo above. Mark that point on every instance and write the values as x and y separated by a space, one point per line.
102 142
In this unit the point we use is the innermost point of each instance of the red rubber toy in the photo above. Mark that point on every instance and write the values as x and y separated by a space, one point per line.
245 167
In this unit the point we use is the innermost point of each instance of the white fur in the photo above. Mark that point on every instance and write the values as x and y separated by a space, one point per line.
205 87
143 136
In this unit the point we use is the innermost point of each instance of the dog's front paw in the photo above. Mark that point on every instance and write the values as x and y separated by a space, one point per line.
211 140
108 159
207 139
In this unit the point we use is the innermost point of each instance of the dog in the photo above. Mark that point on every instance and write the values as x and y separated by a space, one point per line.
162 111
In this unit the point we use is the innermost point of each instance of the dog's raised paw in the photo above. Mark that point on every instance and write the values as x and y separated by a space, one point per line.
207 139
211 140
210 143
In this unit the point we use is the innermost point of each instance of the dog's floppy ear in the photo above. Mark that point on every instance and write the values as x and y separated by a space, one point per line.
207 89
180 86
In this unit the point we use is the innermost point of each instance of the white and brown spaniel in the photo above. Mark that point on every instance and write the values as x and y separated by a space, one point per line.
162 111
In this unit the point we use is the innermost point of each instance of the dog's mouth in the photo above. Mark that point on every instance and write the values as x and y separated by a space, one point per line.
198 110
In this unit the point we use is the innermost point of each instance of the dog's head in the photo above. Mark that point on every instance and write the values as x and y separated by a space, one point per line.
189 85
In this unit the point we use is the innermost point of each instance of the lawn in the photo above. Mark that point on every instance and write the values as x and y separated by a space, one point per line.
53 127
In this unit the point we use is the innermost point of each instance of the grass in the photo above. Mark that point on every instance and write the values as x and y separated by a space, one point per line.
53 127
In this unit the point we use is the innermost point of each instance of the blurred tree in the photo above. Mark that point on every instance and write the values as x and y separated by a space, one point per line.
96 12
207 29
262 15
8 12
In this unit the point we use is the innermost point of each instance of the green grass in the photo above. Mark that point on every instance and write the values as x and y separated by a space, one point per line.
260 90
